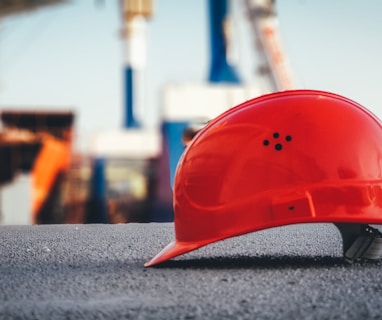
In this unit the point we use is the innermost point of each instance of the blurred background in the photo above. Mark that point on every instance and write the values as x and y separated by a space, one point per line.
95 96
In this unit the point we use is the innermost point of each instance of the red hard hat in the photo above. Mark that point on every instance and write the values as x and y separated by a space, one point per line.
289 157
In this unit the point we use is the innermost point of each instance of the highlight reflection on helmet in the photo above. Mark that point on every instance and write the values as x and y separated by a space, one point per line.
289 157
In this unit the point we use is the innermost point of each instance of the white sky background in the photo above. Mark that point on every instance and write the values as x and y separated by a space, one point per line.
71 56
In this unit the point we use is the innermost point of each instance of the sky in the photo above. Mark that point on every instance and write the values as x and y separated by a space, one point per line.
71 56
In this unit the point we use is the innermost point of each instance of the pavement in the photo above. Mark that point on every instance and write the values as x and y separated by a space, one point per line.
96 272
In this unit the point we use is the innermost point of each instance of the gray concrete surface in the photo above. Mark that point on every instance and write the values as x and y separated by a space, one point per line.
96 272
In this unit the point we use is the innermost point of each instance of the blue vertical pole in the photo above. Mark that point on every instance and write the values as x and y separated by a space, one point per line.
129 119
220 69
134 17
96 207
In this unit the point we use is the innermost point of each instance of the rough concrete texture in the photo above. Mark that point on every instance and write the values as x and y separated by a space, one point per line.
96 272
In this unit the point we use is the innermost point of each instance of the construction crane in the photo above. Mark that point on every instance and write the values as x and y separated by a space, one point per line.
135 14
273 68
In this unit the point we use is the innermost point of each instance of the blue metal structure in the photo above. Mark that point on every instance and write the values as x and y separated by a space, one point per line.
172 136
129 119
220 69
96 208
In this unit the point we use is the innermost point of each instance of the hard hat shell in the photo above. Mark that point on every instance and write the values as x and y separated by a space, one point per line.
289 157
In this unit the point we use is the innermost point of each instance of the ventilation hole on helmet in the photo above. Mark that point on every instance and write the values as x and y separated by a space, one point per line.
277 146
291 208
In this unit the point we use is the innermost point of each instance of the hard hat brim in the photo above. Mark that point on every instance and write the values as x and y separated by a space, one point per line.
174 249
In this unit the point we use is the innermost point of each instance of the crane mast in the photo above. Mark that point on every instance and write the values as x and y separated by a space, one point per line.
273 67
